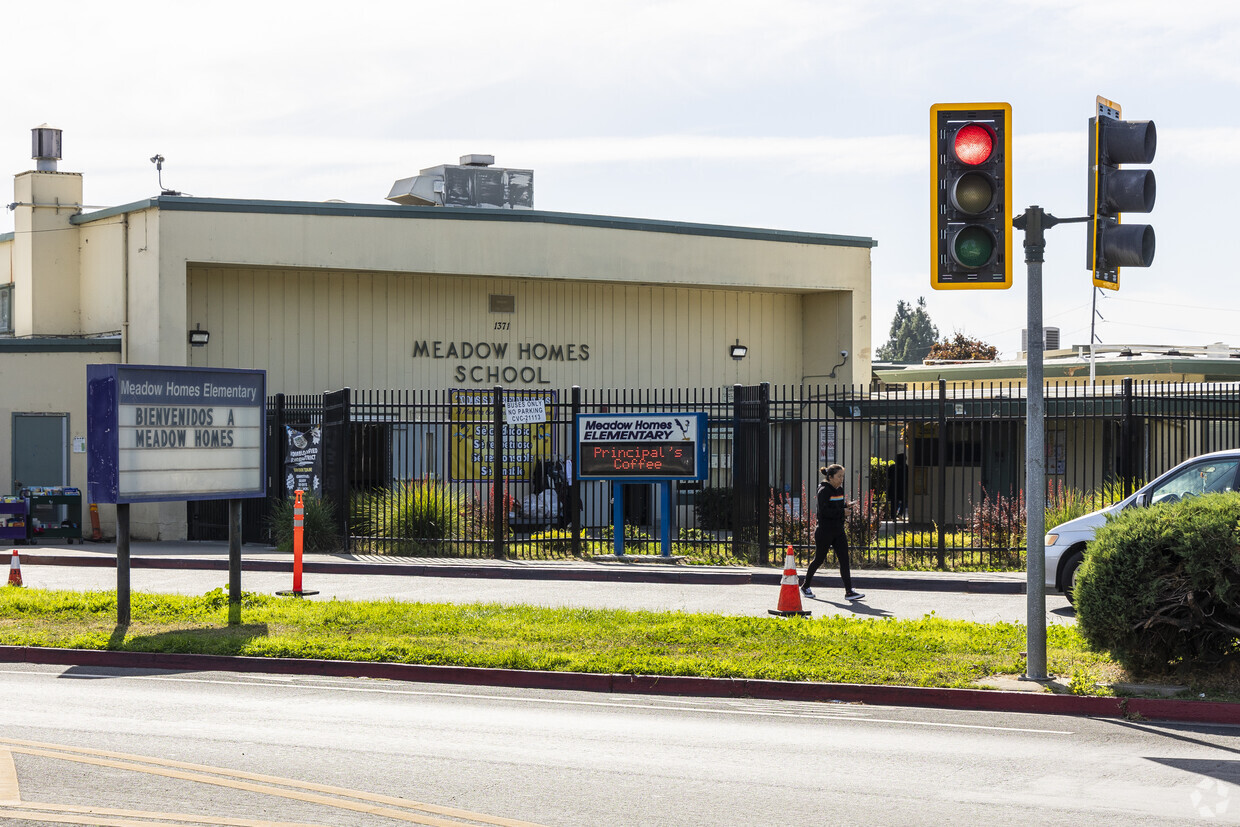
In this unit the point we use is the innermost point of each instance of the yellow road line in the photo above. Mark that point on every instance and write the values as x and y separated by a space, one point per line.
101 817
263 784
8 779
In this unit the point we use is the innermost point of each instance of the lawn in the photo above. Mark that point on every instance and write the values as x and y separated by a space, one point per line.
932 651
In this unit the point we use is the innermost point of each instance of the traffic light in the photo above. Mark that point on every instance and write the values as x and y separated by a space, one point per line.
971 176
1113 191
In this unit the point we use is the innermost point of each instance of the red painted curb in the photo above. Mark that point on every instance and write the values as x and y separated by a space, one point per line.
987 700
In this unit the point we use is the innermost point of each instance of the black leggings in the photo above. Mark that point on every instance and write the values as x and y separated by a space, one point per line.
823 543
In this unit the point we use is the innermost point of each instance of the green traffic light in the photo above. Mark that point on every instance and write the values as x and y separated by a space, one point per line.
973 247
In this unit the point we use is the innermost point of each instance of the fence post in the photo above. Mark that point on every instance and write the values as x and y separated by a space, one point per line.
498 483
1125 440
941 516
337 409
764 472
737 454
574 487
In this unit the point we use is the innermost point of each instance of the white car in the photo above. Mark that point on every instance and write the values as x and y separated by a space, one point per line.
1065 543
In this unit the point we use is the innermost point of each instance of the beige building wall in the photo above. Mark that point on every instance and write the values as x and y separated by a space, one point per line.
316 331
324 296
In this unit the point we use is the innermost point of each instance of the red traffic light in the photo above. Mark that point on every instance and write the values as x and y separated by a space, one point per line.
974 144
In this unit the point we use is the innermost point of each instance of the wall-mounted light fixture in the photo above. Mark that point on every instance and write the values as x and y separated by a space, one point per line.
199 337
738 351
843 359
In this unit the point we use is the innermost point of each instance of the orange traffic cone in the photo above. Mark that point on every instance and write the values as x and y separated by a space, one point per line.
789 589
15 570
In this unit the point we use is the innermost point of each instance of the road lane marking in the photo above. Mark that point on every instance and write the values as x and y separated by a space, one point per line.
112 817
310 793
8 779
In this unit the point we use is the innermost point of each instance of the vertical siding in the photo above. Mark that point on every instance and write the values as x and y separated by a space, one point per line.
316 330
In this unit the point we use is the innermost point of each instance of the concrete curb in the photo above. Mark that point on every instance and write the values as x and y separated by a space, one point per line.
1162 709
603 572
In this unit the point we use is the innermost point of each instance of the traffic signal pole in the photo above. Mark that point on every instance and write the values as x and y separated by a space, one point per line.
1034 222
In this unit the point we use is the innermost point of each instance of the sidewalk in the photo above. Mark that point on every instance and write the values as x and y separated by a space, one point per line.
634 569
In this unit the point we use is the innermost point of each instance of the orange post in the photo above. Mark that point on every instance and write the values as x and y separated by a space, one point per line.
299 527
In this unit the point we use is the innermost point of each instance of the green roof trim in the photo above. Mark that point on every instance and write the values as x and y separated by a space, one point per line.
227 205
5 237
110 344
1218 370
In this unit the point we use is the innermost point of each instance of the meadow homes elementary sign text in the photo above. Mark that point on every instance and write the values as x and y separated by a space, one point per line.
538 352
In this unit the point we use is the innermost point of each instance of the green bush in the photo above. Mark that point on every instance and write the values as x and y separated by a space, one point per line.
713 507
1160 586
318 525
421 510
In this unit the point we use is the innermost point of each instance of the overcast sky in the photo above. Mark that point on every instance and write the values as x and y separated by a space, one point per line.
810 116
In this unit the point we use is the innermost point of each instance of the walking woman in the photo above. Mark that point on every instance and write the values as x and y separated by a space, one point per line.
830 532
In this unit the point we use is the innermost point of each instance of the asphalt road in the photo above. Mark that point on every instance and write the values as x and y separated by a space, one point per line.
883 598
104 746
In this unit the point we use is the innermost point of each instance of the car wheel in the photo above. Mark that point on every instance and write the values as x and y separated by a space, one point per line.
1070 570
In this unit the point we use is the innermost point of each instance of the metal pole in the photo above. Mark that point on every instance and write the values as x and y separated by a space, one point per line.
574 486
122 564
1035 454
234 562
941 510
499 486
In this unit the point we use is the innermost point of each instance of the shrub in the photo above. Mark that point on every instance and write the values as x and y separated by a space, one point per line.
318 525
418 510
713 507
787 528
998 521
1160 586
861 520
478 516
557 540
1064 503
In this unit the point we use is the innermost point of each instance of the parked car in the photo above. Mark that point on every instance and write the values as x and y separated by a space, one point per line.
1065 543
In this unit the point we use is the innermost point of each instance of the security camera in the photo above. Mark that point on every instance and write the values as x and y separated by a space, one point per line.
843 354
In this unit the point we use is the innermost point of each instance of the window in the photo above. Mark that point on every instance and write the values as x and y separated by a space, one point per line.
6 308
1202 478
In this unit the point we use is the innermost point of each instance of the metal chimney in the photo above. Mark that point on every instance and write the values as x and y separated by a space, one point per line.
45 147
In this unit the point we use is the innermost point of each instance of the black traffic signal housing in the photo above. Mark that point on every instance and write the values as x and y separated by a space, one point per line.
1114 191
971 176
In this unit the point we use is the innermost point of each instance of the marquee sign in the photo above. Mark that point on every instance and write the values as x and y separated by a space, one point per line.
650 447
175 433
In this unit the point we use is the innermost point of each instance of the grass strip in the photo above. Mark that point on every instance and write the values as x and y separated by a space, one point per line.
931 651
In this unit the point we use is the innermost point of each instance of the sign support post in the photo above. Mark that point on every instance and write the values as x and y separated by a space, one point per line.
122 564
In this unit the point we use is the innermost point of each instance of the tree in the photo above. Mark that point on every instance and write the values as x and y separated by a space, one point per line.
912 334
962 347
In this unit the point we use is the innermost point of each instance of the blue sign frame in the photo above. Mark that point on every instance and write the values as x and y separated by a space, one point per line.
629 430
173 430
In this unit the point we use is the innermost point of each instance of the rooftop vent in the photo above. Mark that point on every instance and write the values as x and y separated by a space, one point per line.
472 183
45 147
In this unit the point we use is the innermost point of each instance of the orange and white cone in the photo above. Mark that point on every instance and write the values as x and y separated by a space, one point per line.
789 589
15 570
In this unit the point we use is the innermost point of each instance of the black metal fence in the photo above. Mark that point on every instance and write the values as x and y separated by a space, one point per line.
936 475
